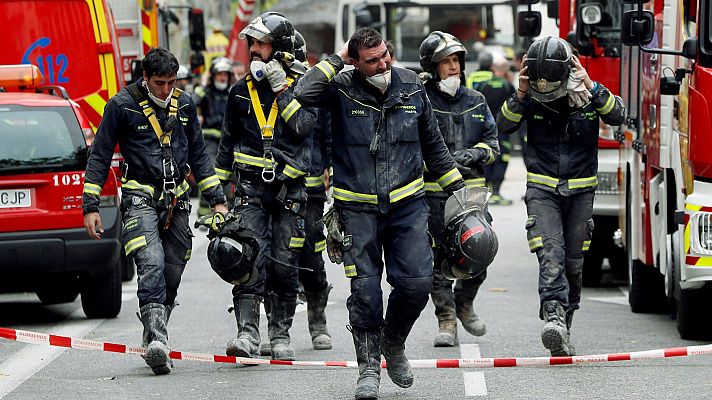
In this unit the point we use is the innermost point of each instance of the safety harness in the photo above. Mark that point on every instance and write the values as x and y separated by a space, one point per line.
170 170
266 128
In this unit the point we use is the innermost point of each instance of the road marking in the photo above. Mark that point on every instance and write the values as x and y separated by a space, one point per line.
31 359
620 300
475 384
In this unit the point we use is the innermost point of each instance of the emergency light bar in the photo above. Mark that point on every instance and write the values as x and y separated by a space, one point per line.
25 76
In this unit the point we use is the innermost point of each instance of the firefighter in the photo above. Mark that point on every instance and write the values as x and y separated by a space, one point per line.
383 133
561 106
265 146
470 133
491 82
211 106
157 128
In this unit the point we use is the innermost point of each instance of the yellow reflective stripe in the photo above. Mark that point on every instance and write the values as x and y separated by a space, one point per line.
608 106
407 190
208 182
510 115
212 133
91 188
328 70
350 271
315 181
450 177
132 184
223 174
296 243
432 187
359 102
259 112
320 246
586 245
490 152
535 243
183 188
291 108
247 159
542 179
188 254
579 183
135 244
292 172
704 262
347 195
475 182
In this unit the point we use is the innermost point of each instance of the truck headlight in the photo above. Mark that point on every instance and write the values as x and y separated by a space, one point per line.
701 233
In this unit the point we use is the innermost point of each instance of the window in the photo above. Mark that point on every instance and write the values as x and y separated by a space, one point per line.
45 138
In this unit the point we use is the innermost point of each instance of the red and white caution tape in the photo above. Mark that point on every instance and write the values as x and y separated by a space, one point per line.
84 344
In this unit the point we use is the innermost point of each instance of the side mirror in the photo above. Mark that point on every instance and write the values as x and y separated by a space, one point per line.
528 23
591 13
637 30
689 48
363 16
196 30
552 9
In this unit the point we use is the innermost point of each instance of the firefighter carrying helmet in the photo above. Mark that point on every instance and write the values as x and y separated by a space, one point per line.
232 255
436 47
271 27
549 62
470 242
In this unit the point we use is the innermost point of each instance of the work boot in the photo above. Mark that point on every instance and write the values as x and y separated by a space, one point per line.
368 356
265 347
157 356
554 333
316 315
445 312
278 324
497 200
470 320
569 320
393 350
247 315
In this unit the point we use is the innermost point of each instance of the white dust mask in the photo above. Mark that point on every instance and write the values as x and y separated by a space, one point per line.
449 85
220 85
380 81
159 102
257 68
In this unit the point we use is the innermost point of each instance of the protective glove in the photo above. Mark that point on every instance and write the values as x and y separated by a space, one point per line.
334 236
576 88
275 75
469 157
214 221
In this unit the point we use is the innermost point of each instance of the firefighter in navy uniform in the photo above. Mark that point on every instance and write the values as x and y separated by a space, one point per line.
562 107
470 133
383 132
265 146
211 106
496 90
158 131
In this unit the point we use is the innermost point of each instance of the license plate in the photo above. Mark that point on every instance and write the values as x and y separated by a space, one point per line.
13 198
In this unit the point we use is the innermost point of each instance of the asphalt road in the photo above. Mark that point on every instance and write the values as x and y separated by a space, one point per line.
508 302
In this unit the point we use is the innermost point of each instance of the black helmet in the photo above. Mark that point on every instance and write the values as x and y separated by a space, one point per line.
549 61
232 256
436 47
271 27
300 47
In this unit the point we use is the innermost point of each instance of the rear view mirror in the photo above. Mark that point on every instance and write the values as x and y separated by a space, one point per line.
689 48
637 30
552 9
591 14
196 30
528 23
363 16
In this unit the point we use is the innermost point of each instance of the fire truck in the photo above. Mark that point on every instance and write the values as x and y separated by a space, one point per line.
665 159
593 28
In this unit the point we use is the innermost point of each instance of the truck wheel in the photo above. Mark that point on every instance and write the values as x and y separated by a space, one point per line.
693 320
101 294
646 289
592 262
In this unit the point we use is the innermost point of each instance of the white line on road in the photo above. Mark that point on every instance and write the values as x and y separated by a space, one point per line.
620 300
475 384
31 359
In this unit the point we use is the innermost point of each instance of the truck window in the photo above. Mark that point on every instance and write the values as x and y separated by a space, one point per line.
58 37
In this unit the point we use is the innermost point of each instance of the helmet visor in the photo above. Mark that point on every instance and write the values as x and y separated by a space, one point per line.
257 30
545 91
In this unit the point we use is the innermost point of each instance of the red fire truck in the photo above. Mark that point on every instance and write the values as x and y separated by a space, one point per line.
665 159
